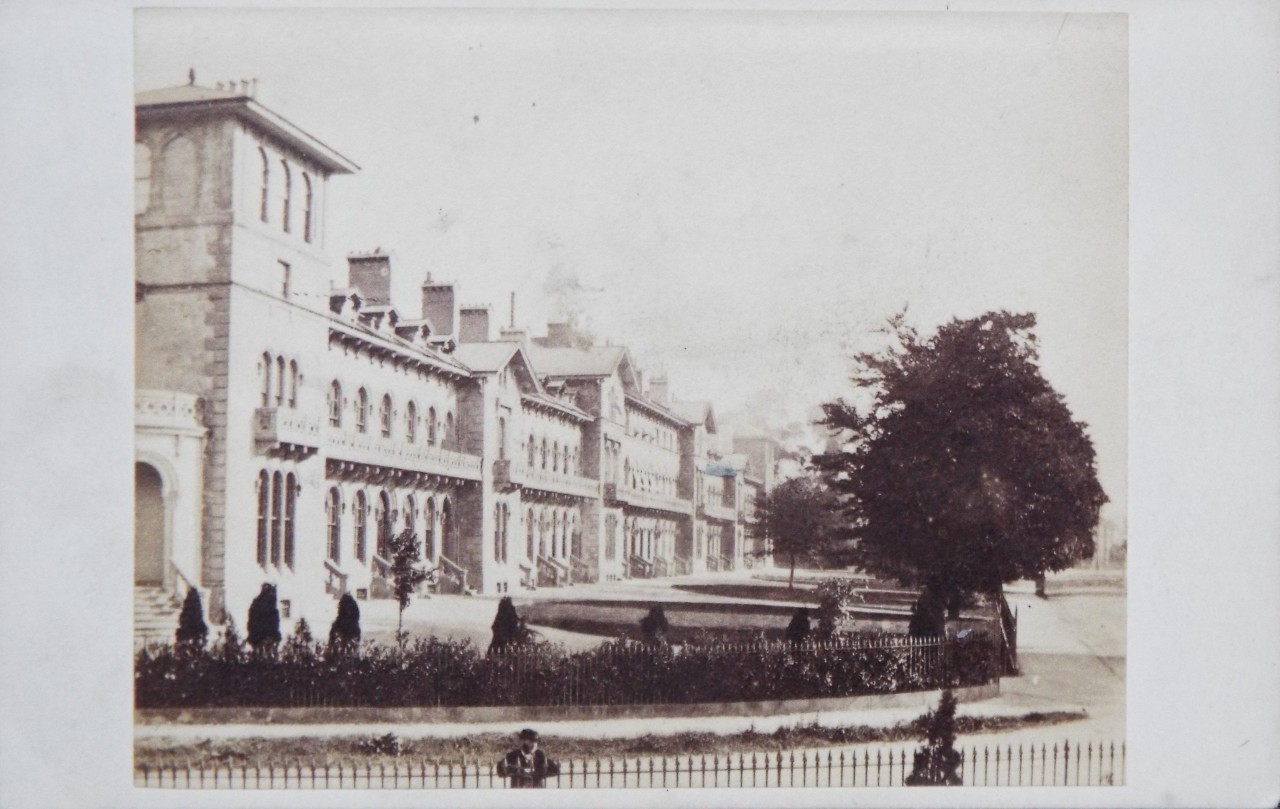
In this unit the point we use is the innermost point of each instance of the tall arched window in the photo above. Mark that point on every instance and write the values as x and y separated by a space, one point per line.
179 182
141 178
382 517
431 425
533 451
290 514
448 542
450 440
264 190
293 383
411 514
286 197
279 381
335 404
555 457
429 531
564 462
384 416
502 439
543 453
362 410
497 532
267 365
361 522
332 512
264 510
277 517
411 423
529 549
307 203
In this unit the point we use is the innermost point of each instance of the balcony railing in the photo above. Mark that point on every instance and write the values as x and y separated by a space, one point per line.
509 474
335 580
167 410
654 500
661 568
713 563
453 577
717 511
286 427
367 448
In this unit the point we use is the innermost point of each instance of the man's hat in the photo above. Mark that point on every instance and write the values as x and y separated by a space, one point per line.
529 735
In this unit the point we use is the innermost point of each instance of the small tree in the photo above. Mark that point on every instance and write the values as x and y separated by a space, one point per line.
508 627
798 629
264 621
231 647
798 516
836 600
192 632
406 572
937 763
654 626
344 632
928 616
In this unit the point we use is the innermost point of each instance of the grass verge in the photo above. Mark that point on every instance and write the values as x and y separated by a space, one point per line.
310 751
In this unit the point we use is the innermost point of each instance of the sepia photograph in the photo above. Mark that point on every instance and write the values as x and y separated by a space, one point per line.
693 406
592 399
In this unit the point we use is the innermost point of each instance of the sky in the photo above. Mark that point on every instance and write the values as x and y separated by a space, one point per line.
740 198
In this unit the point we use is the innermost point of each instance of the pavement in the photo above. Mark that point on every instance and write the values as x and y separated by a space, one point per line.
1071 652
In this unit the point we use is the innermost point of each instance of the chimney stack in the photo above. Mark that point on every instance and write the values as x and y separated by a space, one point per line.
559 335
438 305
371 274
473 324
510 334
658 390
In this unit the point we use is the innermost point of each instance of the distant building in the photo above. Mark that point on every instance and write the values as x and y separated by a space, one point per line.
285 428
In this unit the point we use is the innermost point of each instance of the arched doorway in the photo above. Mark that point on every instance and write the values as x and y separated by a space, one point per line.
148 526
449 545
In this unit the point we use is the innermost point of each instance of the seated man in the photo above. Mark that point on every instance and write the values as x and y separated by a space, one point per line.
527 766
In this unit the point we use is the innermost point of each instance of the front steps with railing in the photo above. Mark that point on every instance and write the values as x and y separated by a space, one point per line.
155 616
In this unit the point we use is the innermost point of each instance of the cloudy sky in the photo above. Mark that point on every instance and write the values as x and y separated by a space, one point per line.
740 198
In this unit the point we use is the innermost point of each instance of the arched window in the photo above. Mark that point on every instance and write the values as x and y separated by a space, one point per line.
533 451
332 512
555 457
279 381
384 416
564 463
361 520
502 439
264 191
431 425
382 517
290 512
264 510
307 203
411 423
544 453
277 516
362 410
627 479
411 514
450 440
181 176
429 531
293 383
448 542
267 365
141 178
335 404
497 532
286 196
529 549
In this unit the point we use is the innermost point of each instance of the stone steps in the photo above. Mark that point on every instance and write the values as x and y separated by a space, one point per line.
155 617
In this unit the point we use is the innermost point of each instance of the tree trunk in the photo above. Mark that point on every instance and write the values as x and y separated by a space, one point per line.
791 581
1040 585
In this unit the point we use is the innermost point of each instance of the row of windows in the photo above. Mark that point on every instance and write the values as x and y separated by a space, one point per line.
550 534
285 202
540 454
382 521
438 431
647 430
643 480
279 381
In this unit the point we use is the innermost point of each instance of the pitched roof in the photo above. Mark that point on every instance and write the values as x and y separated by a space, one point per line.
696 413
487 358
593 361
190 96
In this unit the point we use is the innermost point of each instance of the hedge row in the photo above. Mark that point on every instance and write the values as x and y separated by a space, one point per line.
434 672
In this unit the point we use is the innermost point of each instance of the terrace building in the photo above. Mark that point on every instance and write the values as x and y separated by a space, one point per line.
286 428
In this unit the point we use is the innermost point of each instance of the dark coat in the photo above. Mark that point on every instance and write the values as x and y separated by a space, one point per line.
527 771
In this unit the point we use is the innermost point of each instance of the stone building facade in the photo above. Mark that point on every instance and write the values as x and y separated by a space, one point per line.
286 427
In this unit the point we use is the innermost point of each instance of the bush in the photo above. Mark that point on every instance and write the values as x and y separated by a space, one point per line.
654 626
430 672
344 632
937 763
836 599
192 632
264 621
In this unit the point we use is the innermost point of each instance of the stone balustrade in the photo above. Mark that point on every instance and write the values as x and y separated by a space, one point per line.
374 450
167 410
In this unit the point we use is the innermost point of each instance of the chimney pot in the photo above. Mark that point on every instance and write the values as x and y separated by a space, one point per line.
371 274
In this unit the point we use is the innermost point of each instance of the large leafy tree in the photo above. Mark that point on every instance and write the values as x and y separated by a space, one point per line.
798 515
961 467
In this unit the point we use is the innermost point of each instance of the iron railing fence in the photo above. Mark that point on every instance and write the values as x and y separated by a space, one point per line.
1046 764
